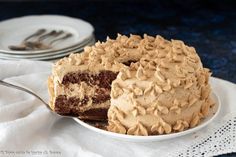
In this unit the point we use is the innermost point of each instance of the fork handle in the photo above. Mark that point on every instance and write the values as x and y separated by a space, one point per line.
61 38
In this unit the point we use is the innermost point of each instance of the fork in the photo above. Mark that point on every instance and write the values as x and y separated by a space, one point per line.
23 46
39 44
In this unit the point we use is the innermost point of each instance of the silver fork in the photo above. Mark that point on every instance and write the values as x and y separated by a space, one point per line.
22 46
40 43
53 33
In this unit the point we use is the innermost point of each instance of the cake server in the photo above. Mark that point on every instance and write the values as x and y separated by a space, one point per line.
25 90
95 123
32 93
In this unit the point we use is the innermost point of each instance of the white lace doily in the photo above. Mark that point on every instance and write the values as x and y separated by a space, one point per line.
217 140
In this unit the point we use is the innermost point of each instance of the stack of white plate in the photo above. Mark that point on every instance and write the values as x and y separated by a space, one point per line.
14 31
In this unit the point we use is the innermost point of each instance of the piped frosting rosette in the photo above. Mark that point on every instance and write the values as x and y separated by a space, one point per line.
166 91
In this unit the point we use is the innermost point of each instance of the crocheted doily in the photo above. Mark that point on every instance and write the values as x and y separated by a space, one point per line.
220 139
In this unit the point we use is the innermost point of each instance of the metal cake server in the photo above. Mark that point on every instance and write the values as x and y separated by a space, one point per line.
27 91
94 123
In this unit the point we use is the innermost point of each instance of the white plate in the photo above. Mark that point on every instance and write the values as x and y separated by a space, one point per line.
51 57
212 115
91 41
13 31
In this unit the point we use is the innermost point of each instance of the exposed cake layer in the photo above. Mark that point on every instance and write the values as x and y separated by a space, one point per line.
81 104
103 79
76 107
99 114
81 94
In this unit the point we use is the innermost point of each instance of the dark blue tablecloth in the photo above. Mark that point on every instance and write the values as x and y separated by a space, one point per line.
211 29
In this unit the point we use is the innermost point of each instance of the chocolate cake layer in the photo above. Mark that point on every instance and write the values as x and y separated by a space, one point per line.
102 80
94 114
64 104
99 114
70 106
102 95
98 124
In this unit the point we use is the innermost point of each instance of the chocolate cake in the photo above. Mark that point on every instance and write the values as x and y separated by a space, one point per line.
150 85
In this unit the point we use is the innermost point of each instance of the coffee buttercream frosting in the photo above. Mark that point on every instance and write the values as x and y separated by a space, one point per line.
166 91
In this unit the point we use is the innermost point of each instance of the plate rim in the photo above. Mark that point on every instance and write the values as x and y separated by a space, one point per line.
49 54
51 57
125 137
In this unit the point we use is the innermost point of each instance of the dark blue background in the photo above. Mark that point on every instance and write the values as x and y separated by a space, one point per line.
209 26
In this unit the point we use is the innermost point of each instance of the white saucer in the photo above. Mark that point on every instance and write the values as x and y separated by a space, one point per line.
212 115
13 31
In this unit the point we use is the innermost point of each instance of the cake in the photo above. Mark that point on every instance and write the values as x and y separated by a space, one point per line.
142 86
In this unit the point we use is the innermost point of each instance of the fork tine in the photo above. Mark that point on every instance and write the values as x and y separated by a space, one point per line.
37 33
59 33
47 35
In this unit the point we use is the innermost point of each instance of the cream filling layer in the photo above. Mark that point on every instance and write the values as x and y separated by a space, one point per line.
75 90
